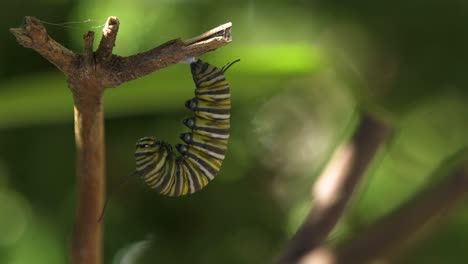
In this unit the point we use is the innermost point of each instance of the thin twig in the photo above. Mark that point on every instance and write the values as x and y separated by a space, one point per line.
333 189
171 52
88 75
109 35
88 48
32 34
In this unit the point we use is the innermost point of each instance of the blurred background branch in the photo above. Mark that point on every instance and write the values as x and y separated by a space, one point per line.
435 202
333 189
431 206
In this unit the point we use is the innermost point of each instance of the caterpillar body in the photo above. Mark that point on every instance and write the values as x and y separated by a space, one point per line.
205 146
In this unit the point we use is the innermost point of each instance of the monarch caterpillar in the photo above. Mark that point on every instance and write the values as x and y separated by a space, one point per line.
205 146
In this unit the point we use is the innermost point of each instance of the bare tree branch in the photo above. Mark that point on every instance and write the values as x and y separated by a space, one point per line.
88 75
32 34
333 189
89 137
114 70
171 52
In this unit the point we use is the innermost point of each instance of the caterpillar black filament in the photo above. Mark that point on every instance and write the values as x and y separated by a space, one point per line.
205 146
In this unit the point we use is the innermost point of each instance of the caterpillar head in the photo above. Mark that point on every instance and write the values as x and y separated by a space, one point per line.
149 149
197 67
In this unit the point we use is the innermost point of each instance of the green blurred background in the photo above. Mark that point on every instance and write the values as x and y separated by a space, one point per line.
305 66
